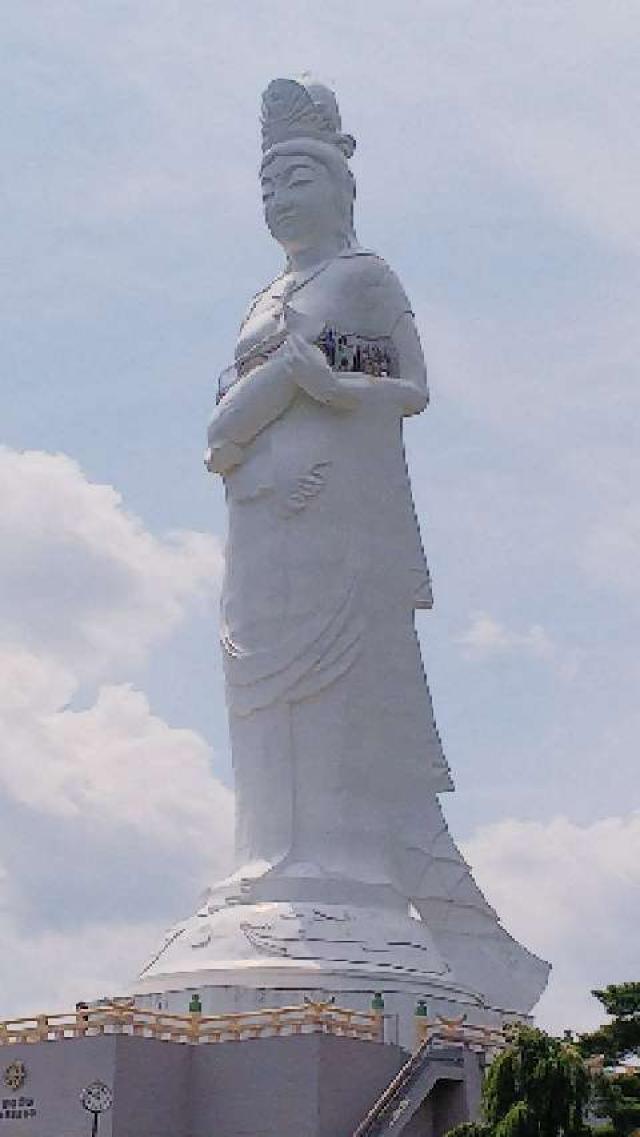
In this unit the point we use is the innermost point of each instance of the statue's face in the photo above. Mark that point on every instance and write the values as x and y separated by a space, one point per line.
300 201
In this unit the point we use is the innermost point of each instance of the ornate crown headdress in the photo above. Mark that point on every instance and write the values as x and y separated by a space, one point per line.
299 109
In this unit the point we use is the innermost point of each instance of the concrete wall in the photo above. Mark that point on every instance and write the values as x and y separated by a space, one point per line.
152 1091
264 1090
301 1086
57 1072
309 1086
353 1074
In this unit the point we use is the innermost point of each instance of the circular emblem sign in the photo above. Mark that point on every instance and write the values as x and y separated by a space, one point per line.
15 1075
96 1097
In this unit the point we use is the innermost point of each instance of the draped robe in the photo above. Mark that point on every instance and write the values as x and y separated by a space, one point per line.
336 755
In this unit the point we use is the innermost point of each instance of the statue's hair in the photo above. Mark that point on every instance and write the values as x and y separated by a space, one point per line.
334 162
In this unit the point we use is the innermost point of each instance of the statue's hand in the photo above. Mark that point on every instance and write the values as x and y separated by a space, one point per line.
222 457
312 373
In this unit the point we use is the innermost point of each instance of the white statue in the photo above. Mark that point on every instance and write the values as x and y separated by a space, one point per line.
337 760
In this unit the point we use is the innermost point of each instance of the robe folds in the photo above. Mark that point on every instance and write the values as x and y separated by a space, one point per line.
337 760
336 755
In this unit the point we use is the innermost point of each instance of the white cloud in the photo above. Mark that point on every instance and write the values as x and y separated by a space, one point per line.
486 638
31 682
80 577
51 970
108 812
112 820
112 764
121 186
571 893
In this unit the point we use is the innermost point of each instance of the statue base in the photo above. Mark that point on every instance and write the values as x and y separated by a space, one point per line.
243 957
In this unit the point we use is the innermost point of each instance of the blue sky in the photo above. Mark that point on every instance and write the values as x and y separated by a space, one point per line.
497 170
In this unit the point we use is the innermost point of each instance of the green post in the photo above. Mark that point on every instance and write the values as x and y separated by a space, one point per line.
421 1020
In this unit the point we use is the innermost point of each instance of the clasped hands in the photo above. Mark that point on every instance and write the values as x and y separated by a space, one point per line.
264 394
308 367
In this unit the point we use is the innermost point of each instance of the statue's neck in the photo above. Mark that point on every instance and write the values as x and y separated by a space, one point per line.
305 260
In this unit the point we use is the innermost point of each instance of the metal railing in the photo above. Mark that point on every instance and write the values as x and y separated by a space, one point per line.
194 1028
437 1039
458 1032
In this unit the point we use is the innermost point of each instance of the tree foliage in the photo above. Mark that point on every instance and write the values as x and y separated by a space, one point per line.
617 1095
620 1038
538 1087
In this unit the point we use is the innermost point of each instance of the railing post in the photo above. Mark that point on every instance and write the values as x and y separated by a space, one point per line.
377 1008
82 1019
422 1024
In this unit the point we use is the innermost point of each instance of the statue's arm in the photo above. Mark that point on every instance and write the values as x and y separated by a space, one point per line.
248 406
388 310
407 392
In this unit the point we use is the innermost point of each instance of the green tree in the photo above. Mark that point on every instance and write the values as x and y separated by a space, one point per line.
619 1039
617 1095
537 1087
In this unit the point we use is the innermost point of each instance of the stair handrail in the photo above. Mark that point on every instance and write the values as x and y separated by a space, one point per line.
411 1067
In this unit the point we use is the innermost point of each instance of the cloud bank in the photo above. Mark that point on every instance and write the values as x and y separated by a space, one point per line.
112 820
497 168
570 893
81 578
110 816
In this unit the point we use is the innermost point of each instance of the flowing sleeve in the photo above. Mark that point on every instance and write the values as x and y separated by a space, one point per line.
376 305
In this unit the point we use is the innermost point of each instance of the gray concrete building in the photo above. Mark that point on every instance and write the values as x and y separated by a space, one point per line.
309 1085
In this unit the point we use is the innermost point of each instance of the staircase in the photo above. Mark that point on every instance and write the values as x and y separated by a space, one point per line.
395 1107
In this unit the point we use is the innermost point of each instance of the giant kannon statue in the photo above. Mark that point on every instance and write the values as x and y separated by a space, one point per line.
338 764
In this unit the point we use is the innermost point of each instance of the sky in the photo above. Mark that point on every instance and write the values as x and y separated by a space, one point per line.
497 170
